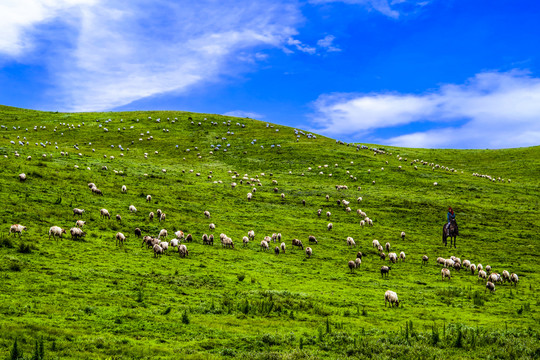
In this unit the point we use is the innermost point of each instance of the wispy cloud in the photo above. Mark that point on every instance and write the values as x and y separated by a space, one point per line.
328 43
121 53
244 114
382 6
18 19
301 46
491 110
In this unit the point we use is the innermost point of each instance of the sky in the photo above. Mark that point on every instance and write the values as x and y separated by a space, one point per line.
413 73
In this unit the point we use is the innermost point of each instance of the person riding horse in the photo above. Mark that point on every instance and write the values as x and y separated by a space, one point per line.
450 230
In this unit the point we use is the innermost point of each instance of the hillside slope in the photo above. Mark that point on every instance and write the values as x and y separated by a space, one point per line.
91 298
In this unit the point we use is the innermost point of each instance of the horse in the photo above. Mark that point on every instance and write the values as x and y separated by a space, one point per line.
450 232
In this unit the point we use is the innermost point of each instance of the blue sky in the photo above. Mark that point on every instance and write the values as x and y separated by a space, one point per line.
434 73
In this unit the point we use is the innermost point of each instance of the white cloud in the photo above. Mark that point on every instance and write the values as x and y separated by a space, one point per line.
491 110
300 46
115 52
244 114
19 17
327 43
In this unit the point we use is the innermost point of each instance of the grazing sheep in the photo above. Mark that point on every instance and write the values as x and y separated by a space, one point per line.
104 213
445 273
375 243
472 267
212 226
138 232
148 198
457 265
358 262
207 214
466 264
118 217
382 256
424 259
249 196
276 250
319 212
490 286
208 240
274 237
350 241
359 255
278 237
91 185
514 278
120 238
282 246
506 276
441 260
352 265
392 257
391 297
362 223
96 191
162 233
304 202
282 195
251 235
488 269
385 270
245 240
189 238
124 188
78 212
158 213
264 245
296 242
387 246
479 267
179 234
494 277
482 275
327 197
312 239
56 231
22 177
162 217
164 245
158 251
227 242
151 215
183 251
132 208
76 233
402 256
80 223
309 252
449 263
328 214
403 235
330 226
380 248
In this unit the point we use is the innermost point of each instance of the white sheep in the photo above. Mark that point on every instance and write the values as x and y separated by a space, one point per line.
148 198
387 246
174 243
490 286
392 257
330 226
283 247
506 276
350 241
17 228
78 212
183 251
375 243
391 298
403 235
22 177
76 232
164 245
472 267
309 251
132 208
162 233
466 264
352 265
104 213
482 275
212 226
249 196
124 188
514 278
402 256
245 240
328 214
179 234
162 217
120 238
80 223
251 234
158 250
264 245
56 231
207 214
445 273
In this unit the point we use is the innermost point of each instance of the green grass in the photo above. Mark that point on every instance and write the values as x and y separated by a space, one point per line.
92 299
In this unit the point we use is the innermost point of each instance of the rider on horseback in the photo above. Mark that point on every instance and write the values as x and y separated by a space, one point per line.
451 217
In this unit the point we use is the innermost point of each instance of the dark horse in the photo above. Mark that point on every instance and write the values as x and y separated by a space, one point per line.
450 231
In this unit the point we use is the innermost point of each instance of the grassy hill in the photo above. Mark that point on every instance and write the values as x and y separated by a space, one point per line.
93 299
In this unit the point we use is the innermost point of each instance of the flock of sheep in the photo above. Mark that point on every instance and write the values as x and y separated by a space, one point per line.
160 245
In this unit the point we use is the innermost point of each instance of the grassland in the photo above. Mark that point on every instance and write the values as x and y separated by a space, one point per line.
93 299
